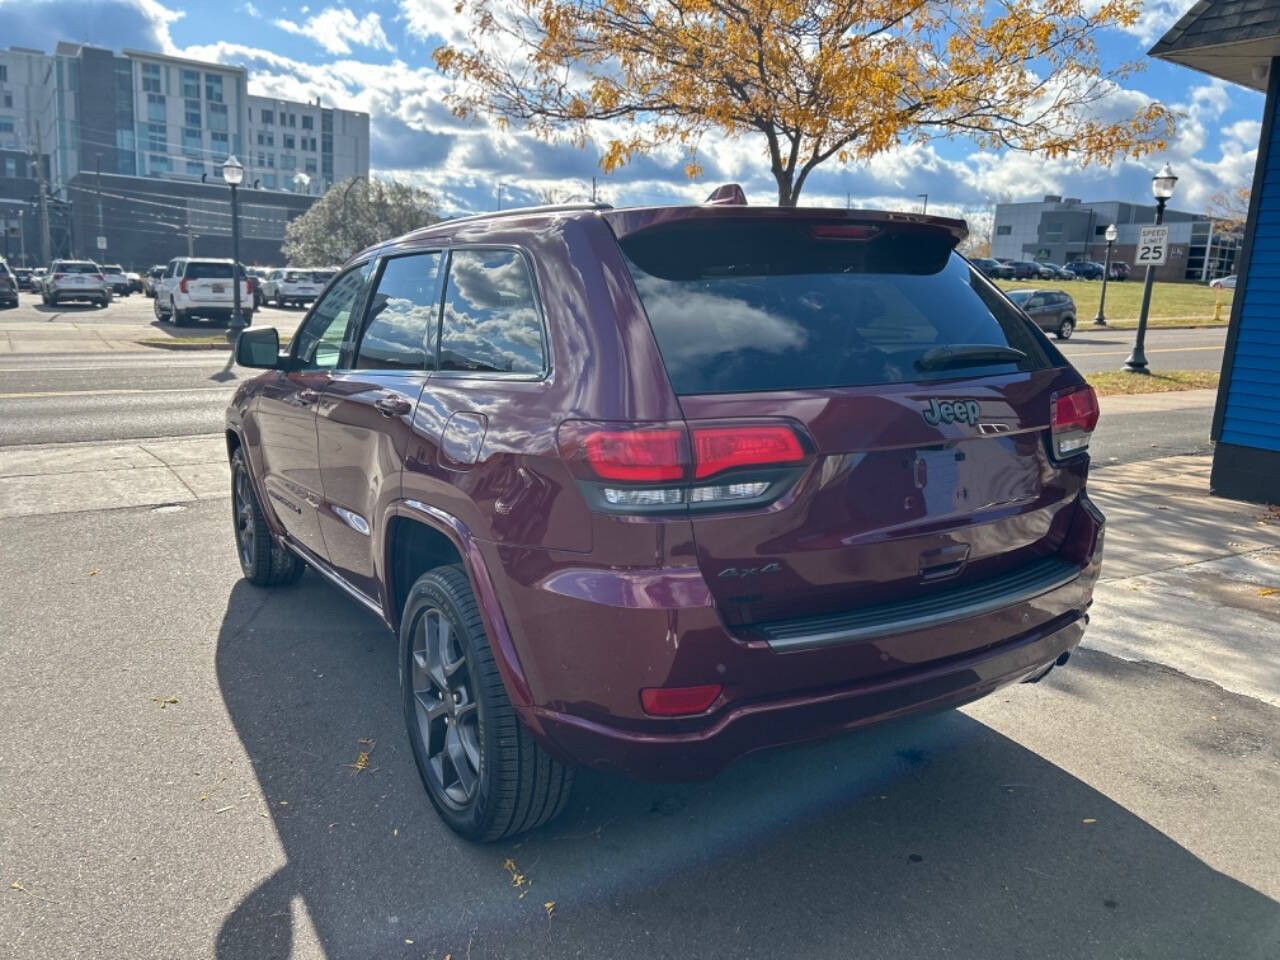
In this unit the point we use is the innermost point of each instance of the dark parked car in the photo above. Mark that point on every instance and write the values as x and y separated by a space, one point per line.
1051 310
25 277
1119 270
1085 270
1025 270
150 278
8 286
993 269
645 490
1051 271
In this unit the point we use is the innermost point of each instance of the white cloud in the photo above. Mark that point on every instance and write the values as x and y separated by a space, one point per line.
336 28
252 11
434 18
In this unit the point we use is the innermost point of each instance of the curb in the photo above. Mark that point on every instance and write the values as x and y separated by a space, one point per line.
185 344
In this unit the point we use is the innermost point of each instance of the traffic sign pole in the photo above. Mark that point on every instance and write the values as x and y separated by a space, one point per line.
1137 361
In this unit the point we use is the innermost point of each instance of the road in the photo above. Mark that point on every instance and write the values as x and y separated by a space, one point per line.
1092 349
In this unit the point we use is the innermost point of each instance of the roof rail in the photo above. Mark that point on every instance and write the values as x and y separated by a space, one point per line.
521 211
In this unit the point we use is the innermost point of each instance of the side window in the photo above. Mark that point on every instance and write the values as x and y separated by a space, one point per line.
491 320
404 314
1035 303
326 328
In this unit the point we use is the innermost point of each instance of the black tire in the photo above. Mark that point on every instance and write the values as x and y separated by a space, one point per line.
264 562
1066 327
177 316
156 311
517 786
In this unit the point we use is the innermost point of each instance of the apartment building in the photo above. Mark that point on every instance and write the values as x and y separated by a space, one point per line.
141 137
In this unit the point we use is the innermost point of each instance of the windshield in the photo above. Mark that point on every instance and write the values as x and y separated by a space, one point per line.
753 306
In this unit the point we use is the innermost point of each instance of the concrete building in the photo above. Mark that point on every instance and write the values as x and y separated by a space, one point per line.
1060 230
1239 41
95 118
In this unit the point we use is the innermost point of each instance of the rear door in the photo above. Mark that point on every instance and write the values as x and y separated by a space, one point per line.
365 418
209 283
924 461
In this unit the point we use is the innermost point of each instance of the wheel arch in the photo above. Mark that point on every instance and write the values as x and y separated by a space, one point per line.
416 534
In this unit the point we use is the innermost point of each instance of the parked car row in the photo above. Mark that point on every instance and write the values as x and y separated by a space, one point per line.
1007 269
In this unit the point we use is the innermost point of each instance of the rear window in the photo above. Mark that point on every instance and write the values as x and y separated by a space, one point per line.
113 268
322 276
208 271
297 276
76 268
746 306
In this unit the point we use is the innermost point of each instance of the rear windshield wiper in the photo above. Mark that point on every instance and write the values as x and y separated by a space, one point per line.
968 355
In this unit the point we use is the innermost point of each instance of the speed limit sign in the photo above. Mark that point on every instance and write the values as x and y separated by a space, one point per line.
1153 247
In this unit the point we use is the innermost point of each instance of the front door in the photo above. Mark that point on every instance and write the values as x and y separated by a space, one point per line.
287 412
365 419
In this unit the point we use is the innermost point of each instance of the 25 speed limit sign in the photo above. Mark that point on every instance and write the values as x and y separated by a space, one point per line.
1153 247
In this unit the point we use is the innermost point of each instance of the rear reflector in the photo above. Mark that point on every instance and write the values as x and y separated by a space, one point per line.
717 449
678 701
1075 415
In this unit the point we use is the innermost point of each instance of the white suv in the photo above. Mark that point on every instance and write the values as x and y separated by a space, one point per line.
194 287
75 280
295 285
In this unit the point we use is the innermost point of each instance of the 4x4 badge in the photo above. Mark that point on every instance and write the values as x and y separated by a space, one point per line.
950 411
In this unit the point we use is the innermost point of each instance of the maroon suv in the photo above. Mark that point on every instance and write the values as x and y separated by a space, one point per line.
650 489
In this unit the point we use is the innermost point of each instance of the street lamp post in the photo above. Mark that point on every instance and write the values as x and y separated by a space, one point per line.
233 174
1101 319
1162 189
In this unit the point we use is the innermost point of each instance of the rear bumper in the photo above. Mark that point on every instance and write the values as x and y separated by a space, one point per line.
589 639
700 754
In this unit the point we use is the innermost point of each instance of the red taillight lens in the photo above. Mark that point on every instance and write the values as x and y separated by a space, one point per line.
182 285
1075 415
716 449
840 231
101 277
636 456
59 276
678 701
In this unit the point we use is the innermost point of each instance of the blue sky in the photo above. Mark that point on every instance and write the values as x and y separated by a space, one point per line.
377 57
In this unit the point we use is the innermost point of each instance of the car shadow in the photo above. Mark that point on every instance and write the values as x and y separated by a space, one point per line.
75 306
915 839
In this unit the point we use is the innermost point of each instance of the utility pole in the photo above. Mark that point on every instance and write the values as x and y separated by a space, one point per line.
593 189
191 236
925 209
44 205
499 194
22 235
98 167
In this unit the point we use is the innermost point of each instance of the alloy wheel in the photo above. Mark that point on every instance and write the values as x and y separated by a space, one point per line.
447 713
244 519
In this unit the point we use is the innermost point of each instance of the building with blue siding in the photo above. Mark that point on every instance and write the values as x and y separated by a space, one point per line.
1239 41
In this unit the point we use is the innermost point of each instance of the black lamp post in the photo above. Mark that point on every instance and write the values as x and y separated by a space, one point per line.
1111 234
1162 189
233 174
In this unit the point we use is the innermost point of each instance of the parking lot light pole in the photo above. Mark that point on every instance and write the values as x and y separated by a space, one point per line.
1162 189
1101 319
233 174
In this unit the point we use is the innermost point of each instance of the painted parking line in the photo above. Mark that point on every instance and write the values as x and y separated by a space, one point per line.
1125 353
49 394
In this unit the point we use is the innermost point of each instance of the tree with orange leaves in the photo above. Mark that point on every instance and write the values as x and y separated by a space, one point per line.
812 79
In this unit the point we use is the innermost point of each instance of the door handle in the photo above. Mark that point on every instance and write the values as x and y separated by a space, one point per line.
308 396
392 406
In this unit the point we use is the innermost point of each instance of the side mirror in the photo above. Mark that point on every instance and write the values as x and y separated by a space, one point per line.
259 348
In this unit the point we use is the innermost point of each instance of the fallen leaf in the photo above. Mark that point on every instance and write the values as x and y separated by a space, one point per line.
550 907
93 573
17 886
204 797
164 701
1268 591
1090 820
408 940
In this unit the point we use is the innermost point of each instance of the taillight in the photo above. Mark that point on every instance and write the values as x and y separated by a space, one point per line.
59 276
101 277
1074 417
716 449
182 285
661 467
678 701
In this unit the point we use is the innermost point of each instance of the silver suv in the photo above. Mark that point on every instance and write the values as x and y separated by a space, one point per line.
75 280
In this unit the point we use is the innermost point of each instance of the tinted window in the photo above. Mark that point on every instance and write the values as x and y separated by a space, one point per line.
75 268
404 313
762 305
491 320
323 276
326 328
208 271
1020 297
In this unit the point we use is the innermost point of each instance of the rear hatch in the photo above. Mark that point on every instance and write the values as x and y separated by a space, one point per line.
921 402
211 283
300 283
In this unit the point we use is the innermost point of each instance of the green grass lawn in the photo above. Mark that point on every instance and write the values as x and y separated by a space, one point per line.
1112 382
1172 304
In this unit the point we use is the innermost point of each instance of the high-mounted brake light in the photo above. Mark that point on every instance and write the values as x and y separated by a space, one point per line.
716 449
841 231
1075 415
